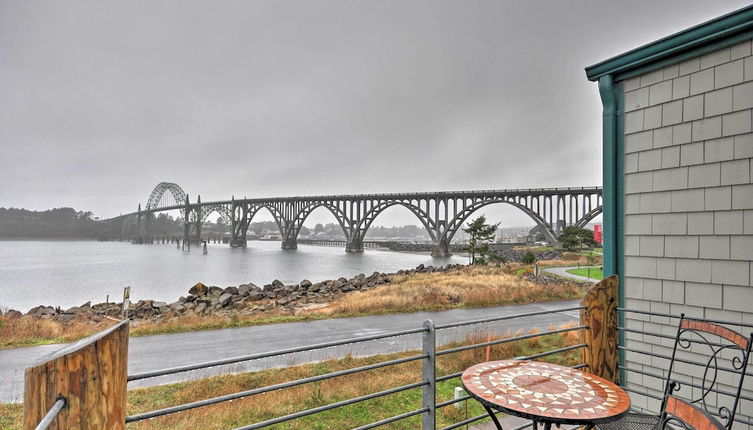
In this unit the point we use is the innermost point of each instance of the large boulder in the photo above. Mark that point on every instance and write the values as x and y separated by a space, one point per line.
277 284
42 310
230 290
256 295
305 284
198 290
244 289
200 307
225 299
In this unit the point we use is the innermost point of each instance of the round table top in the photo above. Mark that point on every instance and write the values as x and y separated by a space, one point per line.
544 391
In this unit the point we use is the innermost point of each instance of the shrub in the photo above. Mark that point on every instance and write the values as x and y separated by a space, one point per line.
528 258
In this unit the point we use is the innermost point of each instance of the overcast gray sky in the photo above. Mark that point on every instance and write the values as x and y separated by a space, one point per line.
101 100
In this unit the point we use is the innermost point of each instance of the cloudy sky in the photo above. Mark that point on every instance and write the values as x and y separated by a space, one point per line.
101 100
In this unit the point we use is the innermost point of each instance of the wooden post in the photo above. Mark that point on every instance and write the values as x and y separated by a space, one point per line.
600 316
90 374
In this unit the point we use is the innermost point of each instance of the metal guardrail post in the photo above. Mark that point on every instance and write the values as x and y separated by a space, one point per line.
429 397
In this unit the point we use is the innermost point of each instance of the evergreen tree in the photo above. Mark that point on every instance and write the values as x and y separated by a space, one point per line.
573 237
480 235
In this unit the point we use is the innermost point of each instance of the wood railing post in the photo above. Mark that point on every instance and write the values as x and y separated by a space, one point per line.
600 316
90 374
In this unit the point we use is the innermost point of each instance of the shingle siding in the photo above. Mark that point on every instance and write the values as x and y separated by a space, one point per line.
689 203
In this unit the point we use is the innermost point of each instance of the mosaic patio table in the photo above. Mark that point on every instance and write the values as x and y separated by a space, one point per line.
545 393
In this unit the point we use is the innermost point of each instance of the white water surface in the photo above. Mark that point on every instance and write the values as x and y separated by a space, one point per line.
70 273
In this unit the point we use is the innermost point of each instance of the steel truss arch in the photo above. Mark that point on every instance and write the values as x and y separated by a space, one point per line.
160 189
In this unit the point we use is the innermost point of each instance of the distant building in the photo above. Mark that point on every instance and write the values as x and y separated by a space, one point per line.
598 236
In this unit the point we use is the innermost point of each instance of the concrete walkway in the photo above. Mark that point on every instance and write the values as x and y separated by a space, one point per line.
151 353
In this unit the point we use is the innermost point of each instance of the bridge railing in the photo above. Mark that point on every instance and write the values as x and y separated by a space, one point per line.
111 345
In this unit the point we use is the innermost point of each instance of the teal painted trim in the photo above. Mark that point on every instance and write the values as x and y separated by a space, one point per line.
609 130
748 35
619 193
707 33
613 118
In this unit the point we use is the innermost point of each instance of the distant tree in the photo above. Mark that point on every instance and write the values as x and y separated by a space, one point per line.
318 228
305 231
528 257
480 234
574 237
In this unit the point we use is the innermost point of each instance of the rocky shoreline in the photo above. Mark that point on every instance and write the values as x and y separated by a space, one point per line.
243 299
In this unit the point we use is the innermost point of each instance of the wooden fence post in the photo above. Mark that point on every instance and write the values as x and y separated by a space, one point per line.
600 316
91 374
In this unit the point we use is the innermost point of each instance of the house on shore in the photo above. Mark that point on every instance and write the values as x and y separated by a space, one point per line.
678 189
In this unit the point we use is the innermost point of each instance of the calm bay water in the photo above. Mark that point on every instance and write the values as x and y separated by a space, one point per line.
68 274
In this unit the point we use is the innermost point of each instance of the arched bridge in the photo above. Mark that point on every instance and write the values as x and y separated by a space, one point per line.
441 213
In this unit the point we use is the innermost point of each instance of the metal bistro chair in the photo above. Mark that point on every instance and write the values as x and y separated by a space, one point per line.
725 351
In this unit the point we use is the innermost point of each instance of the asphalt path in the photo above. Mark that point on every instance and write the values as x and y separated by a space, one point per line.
152 353
562 271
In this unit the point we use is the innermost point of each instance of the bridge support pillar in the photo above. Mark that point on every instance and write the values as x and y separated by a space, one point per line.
441 249
354 246
237 242
289 243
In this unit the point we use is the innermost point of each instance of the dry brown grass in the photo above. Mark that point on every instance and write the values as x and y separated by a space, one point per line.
473 286
28 330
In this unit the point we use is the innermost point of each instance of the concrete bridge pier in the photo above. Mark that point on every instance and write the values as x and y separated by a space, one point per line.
354 246
289 243
238 242
441 249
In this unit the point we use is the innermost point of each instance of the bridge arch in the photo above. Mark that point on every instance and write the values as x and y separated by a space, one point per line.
428 223
303 214
457 222
589 216
276 216
159 191
222 210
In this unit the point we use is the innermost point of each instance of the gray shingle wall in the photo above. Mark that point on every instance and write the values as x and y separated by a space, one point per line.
688 203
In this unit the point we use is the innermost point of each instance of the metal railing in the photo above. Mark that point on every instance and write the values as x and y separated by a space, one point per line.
51 414
428 383
627 368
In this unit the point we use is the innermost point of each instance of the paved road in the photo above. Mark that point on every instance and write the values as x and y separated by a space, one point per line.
562 271
157 352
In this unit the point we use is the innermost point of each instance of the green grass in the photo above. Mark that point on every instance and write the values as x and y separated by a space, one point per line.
588 272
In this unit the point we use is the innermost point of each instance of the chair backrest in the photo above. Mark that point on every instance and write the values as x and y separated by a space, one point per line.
724 354
681 414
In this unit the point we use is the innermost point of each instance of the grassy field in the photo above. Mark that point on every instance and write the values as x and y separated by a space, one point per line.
588 272
286 401
467 287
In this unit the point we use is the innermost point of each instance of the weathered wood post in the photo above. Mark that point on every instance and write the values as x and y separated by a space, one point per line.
600 316
90 374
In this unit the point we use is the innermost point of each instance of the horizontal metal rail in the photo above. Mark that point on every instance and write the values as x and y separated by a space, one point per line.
392 419
666 336
689 384
507 317
681 360
307 412
262 390
509 339
261 355
51 414
453 401
554 351
660 314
